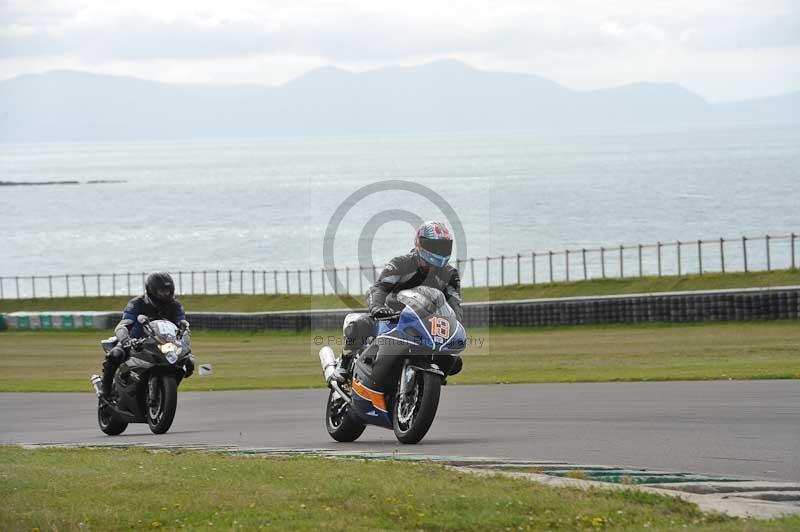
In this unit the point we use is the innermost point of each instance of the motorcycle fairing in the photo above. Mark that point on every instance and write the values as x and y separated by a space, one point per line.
371 406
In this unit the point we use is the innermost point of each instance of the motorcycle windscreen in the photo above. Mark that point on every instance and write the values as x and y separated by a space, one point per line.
436 320
164 330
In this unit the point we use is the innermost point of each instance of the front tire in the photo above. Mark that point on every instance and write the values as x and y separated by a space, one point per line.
162 401
110 423
339 422
412 421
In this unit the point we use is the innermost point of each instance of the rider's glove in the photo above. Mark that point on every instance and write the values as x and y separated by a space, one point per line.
383 312
127 343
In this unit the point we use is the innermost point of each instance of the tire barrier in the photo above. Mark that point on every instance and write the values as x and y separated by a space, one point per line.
749 304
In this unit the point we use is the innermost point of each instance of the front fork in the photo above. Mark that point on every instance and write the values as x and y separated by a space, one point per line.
408 378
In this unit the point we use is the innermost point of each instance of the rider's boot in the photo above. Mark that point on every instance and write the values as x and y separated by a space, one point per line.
342 373
105 384
110 364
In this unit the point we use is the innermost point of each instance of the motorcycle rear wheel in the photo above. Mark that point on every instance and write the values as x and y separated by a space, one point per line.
110 423
162 401
428 388
341 426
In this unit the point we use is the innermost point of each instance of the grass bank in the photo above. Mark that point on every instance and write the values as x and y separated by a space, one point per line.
63 360
264 303
105 489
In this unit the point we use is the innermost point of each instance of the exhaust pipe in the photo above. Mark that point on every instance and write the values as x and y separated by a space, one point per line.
97 380
328 362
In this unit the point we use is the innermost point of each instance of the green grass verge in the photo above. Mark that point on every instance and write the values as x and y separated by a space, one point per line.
62 360
116 489
263 303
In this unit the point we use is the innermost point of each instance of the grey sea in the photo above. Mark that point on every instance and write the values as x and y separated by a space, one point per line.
267 203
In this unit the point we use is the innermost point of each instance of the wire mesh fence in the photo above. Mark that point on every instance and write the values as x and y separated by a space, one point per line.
743 254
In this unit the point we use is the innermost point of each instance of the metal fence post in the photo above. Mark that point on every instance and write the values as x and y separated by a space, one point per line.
679 257
744 252
83 284
360 279
16 285
205 284
241 281
769 265
583 261
550 256
722 254
217 275
191 281
275 281
264 282
566 263
336 281
98 284
113 284
603 261
2 294
487 271
252 282
299 283
792 250
66 282
374 273
180 282
322 279
640 260
33 286
533 266
621 270
230 281
700 257
519 280
472 271
658 248
310 282
347 279
502 270
286 274
50 285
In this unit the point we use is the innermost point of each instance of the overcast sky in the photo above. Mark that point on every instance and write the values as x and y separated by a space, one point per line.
721 49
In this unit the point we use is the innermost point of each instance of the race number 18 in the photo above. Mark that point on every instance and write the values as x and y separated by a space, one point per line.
440 327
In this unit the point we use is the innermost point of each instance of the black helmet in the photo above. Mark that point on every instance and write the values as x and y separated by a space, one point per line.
160 288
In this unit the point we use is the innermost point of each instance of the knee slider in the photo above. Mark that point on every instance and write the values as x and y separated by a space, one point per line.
117 354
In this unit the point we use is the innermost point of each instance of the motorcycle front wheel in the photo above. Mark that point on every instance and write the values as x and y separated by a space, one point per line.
162 400
413 413
339 422
110 423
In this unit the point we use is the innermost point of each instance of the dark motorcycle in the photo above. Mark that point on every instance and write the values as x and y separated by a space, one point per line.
397 377
145 388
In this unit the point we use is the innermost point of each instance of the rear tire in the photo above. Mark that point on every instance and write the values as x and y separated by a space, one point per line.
110 423
161 405
429 387
342 427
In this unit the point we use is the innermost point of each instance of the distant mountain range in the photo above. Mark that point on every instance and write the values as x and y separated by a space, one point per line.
444 96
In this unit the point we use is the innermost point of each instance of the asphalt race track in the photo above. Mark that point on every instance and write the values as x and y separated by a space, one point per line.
731 428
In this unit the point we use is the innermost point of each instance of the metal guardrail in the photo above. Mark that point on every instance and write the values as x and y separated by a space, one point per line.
744 304
744 254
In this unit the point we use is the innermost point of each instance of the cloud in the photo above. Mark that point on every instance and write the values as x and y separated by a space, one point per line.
354 32
623 38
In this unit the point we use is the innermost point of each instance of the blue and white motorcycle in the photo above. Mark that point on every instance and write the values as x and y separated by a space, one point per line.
397 377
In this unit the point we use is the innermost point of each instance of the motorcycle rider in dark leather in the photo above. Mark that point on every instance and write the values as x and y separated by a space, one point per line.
157 303
425 265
